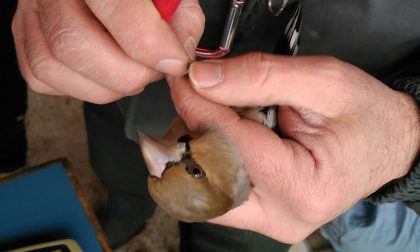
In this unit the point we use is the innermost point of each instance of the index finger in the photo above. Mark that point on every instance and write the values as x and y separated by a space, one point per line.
142 34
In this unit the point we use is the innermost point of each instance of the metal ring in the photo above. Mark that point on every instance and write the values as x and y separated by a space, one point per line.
276 12
228 34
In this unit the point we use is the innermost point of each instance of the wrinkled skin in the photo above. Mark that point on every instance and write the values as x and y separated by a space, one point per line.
73 47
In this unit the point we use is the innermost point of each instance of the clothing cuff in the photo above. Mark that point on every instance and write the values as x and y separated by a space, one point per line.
406 188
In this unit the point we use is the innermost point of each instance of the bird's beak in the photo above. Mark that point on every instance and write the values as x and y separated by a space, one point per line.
158 152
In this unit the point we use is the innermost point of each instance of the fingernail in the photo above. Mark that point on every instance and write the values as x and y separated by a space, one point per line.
172 67
190 46
206 74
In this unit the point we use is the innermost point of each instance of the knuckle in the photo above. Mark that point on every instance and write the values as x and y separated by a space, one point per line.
42 65
37 86
107 97
134 91
144 47
258 67
189 20
102 8
130 83
334 79
191 9
130 87
69 45
201 18
195 12
332 67
66 37
38 72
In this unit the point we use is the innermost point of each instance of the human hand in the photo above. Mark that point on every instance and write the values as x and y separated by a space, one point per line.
344 134
102 50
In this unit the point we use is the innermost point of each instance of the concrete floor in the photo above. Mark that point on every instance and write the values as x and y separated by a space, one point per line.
55 128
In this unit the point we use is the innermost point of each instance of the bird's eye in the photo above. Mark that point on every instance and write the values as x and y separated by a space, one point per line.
196 171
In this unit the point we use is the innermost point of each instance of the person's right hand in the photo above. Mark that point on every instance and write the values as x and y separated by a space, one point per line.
102 50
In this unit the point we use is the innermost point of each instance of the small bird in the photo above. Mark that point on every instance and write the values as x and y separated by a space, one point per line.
196 176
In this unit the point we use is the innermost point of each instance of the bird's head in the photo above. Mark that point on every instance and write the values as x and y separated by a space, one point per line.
196 178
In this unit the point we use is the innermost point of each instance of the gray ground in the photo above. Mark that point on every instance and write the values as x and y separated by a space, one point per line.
55 128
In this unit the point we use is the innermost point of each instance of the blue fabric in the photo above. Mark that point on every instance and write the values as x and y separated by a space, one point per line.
43 203
388 227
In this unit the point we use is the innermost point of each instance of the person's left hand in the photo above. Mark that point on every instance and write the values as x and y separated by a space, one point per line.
344 134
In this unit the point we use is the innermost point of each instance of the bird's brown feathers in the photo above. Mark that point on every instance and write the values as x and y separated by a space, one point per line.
190 199
220 183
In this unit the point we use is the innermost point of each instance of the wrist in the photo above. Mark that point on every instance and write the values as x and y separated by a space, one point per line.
407 187
410 88
409 143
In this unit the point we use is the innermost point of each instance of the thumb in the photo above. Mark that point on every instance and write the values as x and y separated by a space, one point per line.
188 25
258 79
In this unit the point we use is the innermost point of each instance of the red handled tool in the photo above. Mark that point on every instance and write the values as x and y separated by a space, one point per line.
166 8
